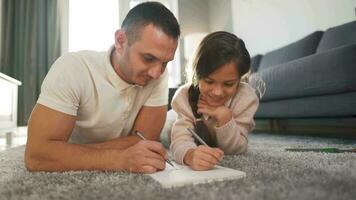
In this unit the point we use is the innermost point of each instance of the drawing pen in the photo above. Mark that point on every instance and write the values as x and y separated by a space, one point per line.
196 136
142 137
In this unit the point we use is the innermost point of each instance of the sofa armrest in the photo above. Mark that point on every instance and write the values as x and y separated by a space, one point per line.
330 72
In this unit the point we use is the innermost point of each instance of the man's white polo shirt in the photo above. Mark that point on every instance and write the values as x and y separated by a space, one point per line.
84 84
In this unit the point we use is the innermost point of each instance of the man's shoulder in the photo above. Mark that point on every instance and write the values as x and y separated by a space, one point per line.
71 70
87 54
88 58
78 62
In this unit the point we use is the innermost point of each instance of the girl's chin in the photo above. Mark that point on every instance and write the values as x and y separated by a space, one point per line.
215 103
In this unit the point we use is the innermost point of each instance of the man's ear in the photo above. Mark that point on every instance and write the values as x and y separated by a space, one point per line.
120 40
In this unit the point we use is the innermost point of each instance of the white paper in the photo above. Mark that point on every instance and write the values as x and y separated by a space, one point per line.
183 175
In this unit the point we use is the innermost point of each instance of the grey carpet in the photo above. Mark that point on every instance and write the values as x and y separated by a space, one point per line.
272 173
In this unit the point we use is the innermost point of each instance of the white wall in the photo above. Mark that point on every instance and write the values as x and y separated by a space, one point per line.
193 16
269 24
220 15
0 25
205 16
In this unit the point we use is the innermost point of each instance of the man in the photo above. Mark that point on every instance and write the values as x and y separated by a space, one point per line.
92 103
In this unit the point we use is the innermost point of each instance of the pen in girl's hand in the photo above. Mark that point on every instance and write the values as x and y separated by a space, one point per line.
197 136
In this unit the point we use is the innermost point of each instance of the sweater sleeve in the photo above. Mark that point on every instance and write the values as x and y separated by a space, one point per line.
181 139
232 137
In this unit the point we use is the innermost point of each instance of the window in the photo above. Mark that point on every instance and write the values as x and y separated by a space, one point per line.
92 24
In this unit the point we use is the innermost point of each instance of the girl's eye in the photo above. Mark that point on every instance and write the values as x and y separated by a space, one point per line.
208 81
229 84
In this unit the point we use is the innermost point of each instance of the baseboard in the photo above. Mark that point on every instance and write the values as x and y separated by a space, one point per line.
326 127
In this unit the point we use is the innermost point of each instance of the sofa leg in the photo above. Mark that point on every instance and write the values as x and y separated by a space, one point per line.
277 125
282 125
273 125
270 123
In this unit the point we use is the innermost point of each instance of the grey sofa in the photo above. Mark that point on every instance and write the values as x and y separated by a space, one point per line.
314 77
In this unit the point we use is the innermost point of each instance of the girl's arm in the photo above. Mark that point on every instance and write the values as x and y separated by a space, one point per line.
183 147
181 140
232 136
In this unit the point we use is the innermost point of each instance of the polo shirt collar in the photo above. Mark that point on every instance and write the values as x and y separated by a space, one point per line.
113 77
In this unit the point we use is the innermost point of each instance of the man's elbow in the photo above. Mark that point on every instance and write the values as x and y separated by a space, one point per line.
32 162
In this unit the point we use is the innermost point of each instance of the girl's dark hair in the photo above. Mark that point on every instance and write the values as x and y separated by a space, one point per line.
217 49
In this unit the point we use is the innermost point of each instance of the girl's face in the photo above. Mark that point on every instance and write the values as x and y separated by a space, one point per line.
219 86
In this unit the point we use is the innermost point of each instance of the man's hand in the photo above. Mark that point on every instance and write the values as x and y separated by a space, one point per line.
144 157
221 114
203 157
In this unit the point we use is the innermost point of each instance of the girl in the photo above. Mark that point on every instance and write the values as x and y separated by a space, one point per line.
216 104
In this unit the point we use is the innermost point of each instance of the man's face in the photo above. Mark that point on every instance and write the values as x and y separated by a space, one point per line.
147 57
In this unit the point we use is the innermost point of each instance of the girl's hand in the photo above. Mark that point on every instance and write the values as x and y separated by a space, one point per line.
221 114
203 157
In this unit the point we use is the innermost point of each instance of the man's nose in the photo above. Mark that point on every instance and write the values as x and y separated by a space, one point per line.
155 71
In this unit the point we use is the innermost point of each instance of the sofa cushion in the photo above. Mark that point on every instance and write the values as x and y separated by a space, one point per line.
255 62
330 72
303 47
338 36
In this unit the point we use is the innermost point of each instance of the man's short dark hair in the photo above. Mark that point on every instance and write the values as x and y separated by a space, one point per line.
150 13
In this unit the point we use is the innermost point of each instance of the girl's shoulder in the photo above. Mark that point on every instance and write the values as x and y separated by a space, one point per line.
181 93
180 102
246 89
245 96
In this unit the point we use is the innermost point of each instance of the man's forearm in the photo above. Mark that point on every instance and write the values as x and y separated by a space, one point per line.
63 156
117 143
150 121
